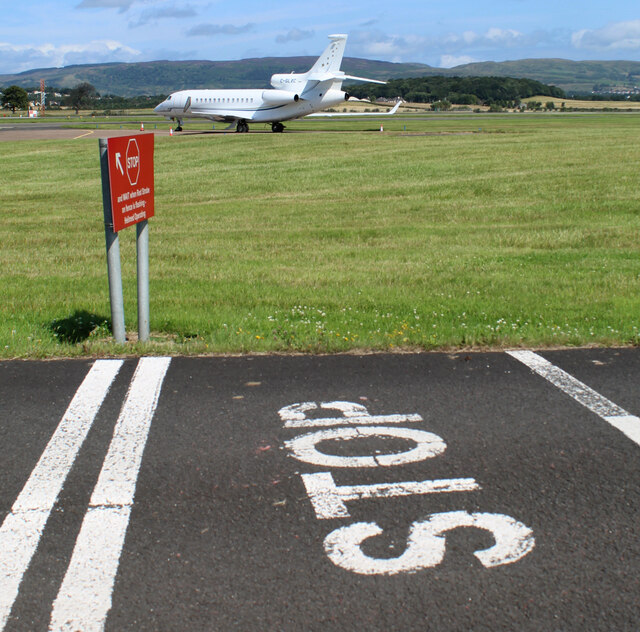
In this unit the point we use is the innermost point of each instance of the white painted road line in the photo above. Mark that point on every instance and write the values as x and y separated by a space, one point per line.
22 528
612 413
84 599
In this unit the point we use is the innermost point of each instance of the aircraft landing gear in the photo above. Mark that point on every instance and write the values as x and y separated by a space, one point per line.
277 128
179 127
242 127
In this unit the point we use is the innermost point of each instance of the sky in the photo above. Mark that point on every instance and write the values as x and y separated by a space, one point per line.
55 33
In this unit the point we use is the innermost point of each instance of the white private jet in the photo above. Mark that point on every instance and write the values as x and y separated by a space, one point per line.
293 96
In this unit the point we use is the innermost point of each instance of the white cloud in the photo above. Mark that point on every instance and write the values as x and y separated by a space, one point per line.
161 13
449 61
123 5
17 58
295 35
451 49
615 36
375 43
209 30
492 38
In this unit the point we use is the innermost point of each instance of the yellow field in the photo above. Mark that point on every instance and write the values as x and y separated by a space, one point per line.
354 106
590 105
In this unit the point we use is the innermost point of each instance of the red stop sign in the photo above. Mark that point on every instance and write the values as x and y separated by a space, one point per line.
133 161
131 179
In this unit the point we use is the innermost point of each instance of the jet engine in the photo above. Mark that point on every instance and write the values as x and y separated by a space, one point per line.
334 97
279 97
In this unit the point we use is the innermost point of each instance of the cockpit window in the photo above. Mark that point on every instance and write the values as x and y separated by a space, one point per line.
169 98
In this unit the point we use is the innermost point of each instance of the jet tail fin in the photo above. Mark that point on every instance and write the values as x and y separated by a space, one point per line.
331 58
327 67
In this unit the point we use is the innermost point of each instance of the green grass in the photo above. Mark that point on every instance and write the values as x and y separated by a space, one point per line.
458 231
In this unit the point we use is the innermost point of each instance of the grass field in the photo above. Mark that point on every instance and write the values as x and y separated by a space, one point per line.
446 232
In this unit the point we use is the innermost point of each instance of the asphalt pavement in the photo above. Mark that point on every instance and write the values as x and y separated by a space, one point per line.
466 491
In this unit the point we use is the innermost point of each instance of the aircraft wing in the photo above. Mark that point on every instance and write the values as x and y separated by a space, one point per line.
224 116
218 115
335 114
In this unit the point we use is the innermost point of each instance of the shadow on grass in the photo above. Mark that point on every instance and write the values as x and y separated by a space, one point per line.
79 326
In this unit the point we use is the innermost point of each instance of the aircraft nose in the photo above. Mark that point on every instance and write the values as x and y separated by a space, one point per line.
164 106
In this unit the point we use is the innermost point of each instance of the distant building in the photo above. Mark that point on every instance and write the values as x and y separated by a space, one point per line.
618 90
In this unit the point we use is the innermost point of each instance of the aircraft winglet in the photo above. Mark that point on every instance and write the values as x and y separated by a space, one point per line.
395 108
391 112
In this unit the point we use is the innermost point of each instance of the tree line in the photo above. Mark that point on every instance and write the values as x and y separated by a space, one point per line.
498 91
83 96
502 91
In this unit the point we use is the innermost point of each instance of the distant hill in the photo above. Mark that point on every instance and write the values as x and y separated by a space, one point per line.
574 77
163 77
496 91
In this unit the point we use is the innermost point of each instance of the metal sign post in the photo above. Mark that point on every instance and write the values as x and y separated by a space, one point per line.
113 251
128 198
142 253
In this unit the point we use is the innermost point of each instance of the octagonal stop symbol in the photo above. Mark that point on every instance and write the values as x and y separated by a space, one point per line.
133 161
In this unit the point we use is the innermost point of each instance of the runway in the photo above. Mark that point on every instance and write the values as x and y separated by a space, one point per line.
493 491
42 130
61 131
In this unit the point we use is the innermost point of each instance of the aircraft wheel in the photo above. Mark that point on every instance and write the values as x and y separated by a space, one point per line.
277 128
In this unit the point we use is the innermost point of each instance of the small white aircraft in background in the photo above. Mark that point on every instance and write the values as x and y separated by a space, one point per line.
293 96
